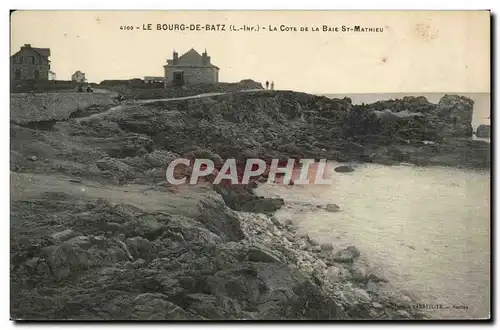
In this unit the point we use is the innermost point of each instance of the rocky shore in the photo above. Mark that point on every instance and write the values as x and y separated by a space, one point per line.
97 233
96 260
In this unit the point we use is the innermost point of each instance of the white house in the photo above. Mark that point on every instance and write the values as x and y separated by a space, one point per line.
78 76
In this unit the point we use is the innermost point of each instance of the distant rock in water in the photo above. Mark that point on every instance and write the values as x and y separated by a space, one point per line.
410 119
344 169
332 208
483 131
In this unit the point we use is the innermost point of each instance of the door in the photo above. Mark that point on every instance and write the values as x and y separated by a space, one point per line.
178 78
37 74
18 74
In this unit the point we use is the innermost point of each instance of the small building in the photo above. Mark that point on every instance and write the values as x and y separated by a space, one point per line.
190 69
152 80
78 76
30 63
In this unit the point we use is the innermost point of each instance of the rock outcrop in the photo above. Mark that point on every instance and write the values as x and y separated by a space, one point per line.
226 257
280 124
412 118
453 116
416 131
483 131
128 264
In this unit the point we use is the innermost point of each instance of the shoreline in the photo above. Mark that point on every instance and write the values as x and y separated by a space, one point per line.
179 264
299 207
255 240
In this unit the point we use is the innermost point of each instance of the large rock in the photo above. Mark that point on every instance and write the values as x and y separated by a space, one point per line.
344 169
483 131
276 290
260 253
346 255
241 198
81 253
454 116
410 119
62 236
220 220
140 247
263 205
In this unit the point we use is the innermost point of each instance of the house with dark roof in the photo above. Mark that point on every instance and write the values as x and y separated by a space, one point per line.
30 63
190 69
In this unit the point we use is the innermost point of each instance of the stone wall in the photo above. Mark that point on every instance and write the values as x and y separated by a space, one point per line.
172 92
26 107
195 75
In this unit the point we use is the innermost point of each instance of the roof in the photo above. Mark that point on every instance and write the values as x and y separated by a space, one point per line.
45 52
191 58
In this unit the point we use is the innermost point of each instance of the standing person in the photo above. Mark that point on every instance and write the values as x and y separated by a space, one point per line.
272 85
267 84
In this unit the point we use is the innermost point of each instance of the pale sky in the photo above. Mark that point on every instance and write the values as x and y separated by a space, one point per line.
417 52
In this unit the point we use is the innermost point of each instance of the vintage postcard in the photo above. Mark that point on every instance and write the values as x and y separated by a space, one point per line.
250 165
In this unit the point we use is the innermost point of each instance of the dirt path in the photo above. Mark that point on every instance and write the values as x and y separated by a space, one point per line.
125 105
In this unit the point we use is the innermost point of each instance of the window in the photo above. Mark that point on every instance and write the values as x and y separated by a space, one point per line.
18 74
32 60
37 74
21 59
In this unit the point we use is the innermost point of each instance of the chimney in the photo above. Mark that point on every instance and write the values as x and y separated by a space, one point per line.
205 59
176 57
27 45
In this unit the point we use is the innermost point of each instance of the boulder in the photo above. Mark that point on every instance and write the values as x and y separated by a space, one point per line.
346 255
332 208
219 219
260 253
263 205
359 274
62 236
344 169
453 116
241 198
326 247
140 247
483 131
83 252
362 295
